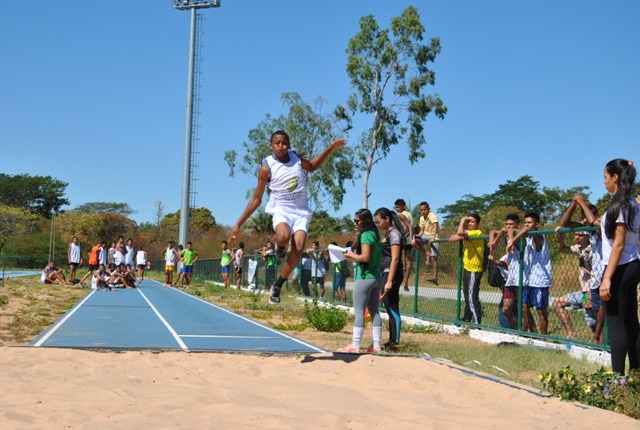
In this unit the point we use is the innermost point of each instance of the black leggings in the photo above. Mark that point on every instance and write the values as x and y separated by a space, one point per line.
621 315
391 302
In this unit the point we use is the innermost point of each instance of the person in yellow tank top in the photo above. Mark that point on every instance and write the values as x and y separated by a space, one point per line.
472 263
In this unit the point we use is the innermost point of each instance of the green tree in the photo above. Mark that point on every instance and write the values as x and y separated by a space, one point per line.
17 221
260 222
115 225
201 222
40 195
389 71
310 131
105 208
88 228
322 224
524 194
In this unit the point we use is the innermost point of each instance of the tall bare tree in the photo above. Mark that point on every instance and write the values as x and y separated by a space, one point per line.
389 71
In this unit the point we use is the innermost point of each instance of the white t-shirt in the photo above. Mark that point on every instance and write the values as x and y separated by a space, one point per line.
630 250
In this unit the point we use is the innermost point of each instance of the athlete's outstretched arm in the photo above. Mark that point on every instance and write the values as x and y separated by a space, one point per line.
311 165
254 203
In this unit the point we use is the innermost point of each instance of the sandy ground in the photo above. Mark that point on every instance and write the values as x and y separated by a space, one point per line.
75 389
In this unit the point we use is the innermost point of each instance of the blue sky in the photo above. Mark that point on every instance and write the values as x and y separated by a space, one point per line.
94 94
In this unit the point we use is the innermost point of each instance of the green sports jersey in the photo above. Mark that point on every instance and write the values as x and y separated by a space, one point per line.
188 255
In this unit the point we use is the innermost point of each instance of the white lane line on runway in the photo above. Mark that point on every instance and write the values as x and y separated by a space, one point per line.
278 333
166 324
230 337
62 321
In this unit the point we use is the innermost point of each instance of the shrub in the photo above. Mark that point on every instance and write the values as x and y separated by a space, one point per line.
329 319
603 389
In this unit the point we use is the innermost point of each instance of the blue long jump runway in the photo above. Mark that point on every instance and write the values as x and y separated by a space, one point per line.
158 317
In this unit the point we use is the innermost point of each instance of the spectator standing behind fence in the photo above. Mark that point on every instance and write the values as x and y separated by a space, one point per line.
366 292
305 275
577 299
270 263
537 274
590 217
619 230
319 265
226 258
239 264
342 272
408 252
390 227
428 234
512 264
472 264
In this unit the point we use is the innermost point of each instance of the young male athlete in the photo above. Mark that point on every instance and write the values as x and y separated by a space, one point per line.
284 172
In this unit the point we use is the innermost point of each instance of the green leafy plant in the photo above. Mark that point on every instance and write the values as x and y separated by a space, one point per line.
329 319
604 389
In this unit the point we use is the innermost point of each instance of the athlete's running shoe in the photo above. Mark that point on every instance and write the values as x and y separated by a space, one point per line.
274 297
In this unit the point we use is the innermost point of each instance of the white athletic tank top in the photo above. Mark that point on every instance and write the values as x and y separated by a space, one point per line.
140 258
288 185
129 257
74 253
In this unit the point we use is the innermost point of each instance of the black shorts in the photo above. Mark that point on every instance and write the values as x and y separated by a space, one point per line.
93 267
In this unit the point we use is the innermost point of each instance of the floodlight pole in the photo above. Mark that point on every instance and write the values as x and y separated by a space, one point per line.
186 164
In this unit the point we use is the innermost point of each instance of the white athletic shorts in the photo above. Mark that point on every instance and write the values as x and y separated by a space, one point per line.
296 221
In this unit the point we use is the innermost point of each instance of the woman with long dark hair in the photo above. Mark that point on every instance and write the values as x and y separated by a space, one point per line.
390 228
619 227
366 291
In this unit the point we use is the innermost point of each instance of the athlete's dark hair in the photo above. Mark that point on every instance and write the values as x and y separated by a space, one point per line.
279 133
621 199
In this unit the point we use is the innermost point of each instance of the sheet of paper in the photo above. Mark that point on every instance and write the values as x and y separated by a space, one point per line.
336 253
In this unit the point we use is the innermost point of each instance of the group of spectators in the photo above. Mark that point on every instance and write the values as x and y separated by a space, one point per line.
117 267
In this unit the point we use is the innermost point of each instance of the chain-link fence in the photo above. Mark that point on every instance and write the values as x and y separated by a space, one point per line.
569 315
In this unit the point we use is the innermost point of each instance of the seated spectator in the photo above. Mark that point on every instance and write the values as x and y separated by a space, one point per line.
100 279
52 275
